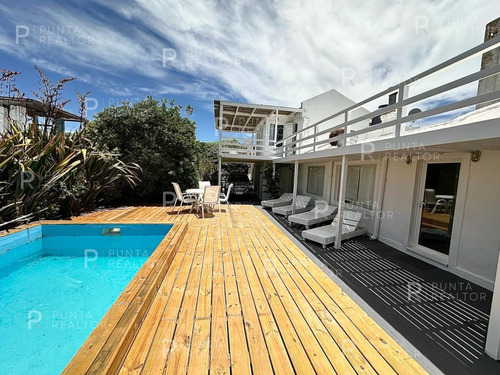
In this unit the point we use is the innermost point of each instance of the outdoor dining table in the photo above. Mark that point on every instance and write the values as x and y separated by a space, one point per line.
198 194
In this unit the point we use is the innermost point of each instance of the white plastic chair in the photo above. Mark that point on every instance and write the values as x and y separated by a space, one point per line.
430 200
182 197
224 198
202 184
211 197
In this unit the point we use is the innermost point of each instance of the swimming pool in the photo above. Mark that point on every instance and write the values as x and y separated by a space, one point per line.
58 281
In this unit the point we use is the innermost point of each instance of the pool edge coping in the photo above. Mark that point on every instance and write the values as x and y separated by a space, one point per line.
118 327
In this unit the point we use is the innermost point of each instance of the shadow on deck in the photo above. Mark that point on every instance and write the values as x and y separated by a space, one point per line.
444 316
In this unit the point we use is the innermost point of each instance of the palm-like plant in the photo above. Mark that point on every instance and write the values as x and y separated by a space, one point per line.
58 176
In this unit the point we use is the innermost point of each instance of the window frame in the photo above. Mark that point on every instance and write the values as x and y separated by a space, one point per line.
373 163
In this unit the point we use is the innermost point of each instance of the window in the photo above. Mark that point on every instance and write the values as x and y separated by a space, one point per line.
315 180
279 136
360 185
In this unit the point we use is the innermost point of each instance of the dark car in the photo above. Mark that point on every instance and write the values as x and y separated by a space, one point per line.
241 183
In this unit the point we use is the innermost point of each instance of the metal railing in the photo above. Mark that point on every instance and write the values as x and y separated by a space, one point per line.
310 138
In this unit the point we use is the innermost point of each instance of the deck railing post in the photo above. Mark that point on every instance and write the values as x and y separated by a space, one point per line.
402 95
315 138
340 210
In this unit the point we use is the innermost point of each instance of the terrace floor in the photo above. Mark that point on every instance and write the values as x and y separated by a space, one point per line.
444 316
240 297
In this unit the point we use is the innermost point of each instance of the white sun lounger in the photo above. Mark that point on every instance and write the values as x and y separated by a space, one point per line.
319 214
284 200
325 235
301 205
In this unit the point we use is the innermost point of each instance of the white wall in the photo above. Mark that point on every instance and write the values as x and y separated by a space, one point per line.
480 235
397 204
325 105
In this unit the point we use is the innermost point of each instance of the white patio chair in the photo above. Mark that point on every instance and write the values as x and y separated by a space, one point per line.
202 184
325 235
211 197
182 197
431 201
224 198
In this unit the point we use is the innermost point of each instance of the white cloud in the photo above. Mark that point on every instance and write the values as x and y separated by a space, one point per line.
280 52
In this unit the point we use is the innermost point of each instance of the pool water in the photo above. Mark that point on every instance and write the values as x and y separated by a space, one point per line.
57 282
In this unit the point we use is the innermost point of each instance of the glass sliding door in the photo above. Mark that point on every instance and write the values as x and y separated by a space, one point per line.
438 206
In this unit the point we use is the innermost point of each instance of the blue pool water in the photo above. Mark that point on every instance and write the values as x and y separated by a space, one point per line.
57 282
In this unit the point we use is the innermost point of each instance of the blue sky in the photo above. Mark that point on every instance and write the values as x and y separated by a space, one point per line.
269 52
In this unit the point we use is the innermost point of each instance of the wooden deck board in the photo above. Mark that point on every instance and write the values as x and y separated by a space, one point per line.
238 298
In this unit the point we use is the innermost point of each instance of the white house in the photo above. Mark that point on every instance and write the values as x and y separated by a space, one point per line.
424 169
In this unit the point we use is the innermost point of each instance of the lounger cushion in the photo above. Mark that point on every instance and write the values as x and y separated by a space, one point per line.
287 210
284 200
319 214
300 206
325 235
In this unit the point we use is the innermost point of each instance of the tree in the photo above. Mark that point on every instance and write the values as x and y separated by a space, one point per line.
208 162
155 135
48 176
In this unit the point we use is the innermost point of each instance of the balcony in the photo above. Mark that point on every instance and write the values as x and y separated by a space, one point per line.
427 108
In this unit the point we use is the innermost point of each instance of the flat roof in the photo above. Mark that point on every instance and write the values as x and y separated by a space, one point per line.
37 108
245 117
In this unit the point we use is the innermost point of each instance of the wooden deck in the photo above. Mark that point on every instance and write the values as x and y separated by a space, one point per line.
239 297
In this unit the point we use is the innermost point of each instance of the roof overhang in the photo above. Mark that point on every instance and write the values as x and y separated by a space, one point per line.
482 135
244 117
37 108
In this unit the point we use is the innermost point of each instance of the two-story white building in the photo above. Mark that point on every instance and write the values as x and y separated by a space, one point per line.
420 160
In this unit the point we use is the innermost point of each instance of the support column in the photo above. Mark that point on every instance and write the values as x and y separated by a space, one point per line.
493 335
275 139
340 212
276 128
295 183
220 171
221 124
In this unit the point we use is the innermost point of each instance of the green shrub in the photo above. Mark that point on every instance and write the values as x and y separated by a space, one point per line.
45 177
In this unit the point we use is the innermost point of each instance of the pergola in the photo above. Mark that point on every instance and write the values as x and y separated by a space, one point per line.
243 117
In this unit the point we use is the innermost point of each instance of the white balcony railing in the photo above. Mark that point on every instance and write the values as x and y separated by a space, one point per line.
316 136
245 147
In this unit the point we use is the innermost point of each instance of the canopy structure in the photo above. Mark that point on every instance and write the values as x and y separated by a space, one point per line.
243 117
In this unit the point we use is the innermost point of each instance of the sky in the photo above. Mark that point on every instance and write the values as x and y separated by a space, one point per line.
264 52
